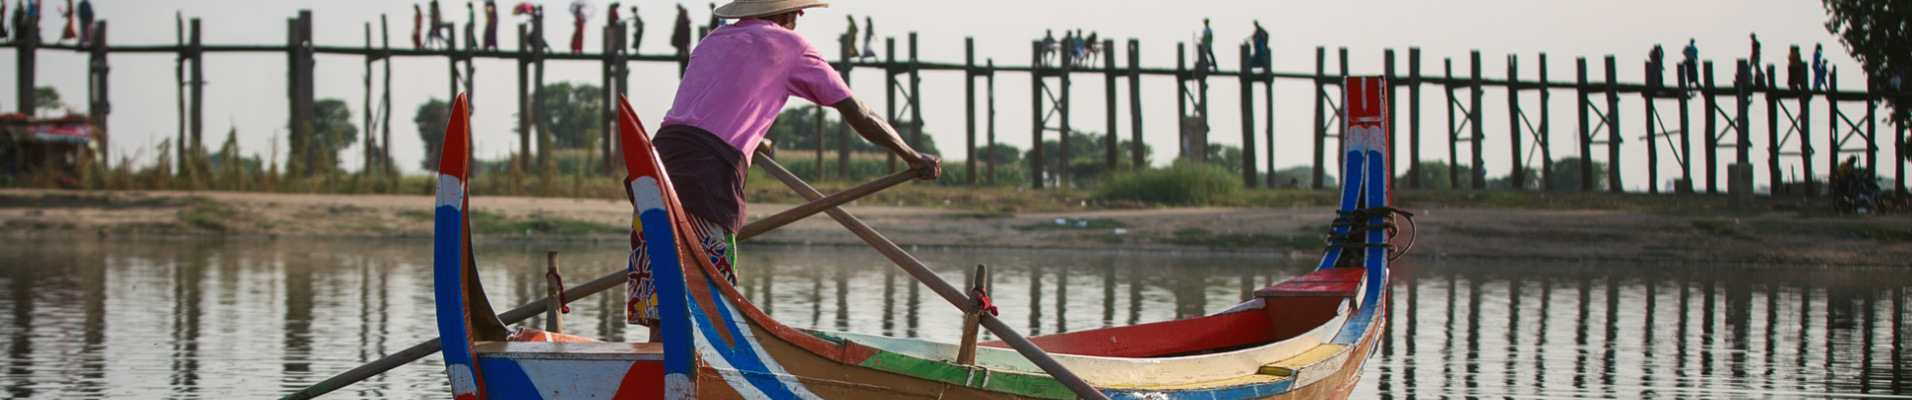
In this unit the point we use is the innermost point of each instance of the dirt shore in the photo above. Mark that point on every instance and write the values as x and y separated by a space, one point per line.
1776 237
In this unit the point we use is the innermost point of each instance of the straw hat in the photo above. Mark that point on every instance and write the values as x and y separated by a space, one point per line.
759 8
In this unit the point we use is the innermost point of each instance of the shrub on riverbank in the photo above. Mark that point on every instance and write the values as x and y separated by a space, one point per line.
1180 184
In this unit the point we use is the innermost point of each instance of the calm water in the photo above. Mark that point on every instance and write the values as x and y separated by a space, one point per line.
254 319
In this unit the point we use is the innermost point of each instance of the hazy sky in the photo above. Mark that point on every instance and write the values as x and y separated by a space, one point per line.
246 91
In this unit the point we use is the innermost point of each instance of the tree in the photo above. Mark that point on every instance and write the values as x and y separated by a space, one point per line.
573 114
1086 152
47 100
332 132
431 119
1878 34
1004 154
1566 175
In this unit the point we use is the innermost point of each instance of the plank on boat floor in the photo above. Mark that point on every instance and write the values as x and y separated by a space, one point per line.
1249 379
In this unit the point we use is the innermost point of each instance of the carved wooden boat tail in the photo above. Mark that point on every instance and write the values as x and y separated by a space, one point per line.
1306 338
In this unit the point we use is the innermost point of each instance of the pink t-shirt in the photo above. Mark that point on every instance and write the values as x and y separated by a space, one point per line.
742 74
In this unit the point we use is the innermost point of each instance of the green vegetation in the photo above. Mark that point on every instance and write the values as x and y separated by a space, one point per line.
1875 33
1181 184
206 214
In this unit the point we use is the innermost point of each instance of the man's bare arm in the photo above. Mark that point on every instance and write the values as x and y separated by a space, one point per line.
873 129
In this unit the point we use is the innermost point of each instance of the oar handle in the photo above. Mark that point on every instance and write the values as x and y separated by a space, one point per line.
936 284
826 202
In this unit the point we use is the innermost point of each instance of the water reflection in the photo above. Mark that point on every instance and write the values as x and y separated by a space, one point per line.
1641 331
251 319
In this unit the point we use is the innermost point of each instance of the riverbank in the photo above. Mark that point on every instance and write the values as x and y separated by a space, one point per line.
1449 225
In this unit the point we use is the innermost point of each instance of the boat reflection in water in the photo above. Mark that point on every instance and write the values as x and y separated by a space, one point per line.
253 319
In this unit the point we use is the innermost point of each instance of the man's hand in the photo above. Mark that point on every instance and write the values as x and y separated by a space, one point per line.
929 163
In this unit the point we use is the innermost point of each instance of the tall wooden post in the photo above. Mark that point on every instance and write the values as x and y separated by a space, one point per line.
1478 169
385 158
1585 135
1136 159
1613 128
539 122
1804 122
1514 132
524 101
27 38
198 77
1320 117
889 105
1181 102
98 104
1394 157
969 111
1742 145
1108 85
179 86
1546 129
1775 178
843 129
818 120
1453 134
1686 136
1247 80
916 98
299 60
1035 114
1652 133
1414 118
989 118
1063 149
607 100
370 143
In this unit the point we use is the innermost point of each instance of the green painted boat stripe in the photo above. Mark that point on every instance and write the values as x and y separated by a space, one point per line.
1032 385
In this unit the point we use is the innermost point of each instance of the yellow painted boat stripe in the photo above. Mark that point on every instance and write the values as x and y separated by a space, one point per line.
1289 366
1235 381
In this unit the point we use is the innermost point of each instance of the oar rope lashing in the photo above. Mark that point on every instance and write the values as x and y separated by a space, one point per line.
1357 222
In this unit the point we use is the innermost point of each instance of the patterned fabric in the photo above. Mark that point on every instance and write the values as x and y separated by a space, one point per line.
641 307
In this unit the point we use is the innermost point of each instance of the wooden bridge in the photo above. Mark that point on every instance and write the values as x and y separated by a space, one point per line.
1724 109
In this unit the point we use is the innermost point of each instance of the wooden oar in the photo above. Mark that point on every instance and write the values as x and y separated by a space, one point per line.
937 284
614 279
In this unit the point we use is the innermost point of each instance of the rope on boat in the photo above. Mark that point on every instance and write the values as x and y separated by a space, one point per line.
1357 223
563 305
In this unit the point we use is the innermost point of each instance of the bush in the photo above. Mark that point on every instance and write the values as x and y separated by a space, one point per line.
1181 184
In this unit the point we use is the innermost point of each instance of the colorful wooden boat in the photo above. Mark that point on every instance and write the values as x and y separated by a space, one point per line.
1305 338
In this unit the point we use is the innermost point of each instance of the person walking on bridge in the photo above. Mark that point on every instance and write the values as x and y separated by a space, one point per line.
1206 59
738 80
491 25
1691 65
1759 71
869 35
1818 67
680 34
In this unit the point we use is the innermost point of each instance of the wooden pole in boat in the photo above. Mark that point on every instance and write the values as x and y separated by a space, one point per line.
614 279
972 317
928 278
553 319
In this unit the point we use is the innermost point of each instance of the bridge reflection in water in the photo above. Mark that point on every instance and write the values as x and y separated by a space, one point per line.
1494 329
252 319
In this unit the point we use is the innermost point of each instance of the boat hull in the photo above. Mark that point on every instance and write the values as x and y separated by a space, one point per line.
1307 338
